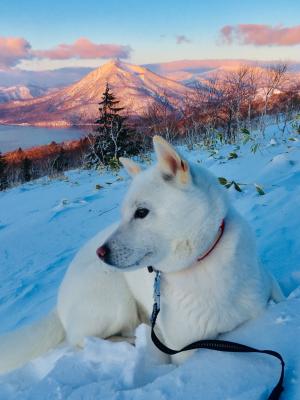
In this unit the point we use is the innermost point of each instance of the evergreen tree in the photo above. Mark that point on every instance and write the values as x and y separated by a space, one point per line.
112 137
3 173
26 169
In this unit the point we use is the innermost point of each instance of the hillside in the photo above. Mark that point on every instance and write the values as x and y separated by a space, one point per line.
56 78
20 92
187 71
47 221
135 86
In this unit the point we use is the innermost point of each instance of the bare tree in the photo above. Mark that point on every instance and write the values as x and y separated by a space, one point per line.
274 79
162 118
287 104
202 111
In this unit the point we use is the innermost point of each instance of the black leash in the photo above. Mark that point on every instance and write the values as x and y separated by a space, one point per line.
217 345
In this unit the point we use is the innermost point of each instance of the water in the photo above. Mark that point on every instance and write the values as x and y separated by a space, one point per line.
13 137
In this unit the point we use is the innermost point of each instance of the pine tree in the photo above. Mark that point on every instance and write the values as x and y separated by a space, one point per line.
3 174
112 137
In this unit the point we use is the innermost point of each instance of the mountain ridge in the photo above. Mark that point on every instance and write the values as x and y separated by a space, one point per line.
20 92
135 86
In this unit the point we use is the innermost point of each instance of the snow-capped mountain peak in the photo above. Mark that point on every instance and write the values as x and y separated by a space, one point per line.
135 86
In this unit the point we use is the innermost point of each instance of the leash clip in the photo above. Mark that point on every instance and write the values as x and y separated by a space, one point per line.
156 297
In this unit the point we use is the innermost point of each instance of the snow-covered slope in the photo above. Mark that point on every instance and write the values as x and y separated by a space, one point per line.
20 92
44 223
136 87
49 79
190 72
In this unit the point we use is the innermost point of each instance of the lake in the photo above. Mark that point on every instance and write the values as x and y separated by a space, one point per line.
12 136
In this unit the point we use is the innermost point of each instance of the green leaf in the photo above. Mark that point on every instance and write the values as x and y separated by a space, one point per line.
222 180
259 189
245 131
292 139
220 137
254 148
98 187
247 135
228 185
232 155
236 186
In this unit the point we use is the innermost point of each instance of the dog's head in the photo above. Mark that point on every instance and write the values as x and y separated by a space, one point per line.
171 214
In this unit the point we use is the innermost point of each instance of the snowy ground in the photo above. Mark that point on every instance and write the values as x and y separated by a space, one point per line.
44 223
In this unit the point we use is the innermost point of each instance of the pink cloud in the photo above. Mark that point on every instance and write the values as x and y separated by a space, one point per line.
261 35
180 39
84 48
13 50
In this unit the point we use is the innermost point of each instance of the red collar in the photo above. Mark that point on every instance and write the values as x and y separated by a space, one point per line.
218 238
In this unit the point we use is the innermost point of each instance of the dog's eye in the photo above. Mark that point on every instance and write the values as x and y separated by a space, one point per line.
141 213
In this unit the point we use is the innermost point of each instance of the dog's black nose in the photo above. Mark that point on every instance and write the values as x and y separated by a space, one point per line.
103 252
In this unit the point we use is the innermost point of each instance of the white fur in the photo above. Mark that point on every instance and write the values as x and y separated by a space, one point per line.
198 299
96 295
18 347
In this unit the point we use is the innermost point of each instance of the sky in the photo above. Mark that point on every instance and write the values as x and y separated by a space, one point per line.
38 35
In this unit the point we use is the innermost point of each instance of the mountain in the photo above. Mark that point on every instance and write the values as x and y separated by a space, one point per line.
189 71
56 78
136 87
20 92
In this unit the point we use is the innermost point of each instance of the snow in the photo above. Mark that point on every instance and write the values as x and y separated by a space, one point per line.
44 223
20 92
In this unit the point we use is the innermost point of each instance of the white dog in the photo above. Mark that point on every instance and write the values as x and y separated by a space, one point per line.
177 218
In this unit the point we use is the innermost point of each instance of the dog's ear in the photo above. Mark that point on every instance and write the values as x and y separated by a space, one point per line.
170 163
131 167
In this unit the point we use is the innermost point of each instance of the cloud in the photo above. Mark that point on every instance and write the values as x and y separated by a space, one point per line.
180 39
260 35
83 48
13 50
